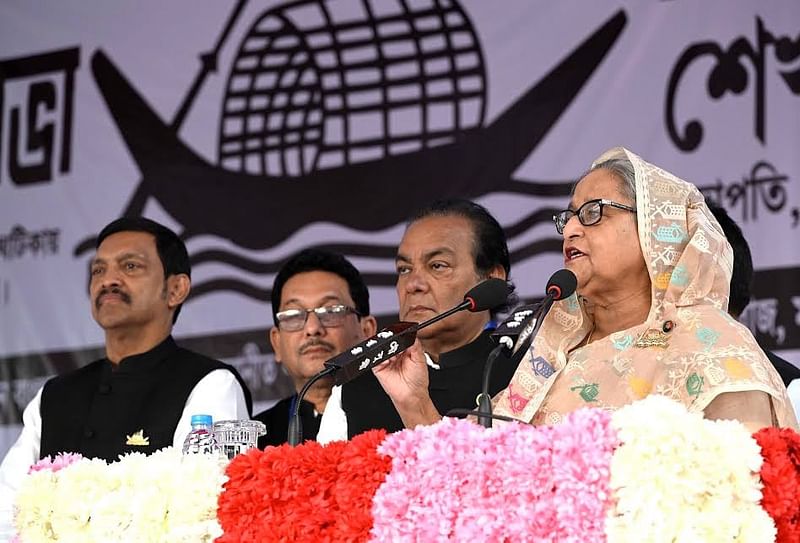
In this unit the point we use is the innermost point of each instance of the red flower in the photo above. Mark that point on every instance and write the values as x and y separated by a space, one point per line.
780 474
361 472
305 493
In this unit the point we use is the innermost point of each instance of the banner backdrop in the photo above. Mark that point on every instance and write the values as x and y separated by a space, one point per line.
256 129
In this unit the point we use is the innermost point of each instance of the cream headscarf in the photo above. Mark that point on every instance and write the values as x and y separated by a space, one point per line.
688 349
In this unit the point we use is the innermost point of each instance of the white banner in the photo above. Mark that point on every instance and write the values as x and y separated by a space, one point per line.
258 128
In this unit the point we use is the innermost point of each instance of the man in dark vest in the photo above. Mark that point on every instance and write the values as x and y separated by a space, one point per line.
320 306
447 248
141 396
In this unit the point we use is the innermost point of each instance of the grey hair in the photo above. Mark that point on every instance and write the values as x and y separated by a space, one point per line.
622 169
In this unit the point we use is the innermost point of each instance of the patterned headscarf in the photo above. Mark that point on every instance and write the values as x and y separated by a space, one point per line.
688 349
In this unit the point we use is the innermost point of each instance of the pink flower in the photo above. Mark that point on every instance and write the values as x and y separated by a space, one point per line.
458 481
60 461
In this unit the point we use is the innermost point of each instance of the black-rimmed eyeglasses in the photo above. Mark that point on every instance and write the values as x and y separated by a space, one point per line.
588 214
292 320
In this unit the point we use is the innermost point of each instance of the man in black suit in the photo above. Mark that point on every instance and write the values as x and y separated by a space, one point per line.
447 248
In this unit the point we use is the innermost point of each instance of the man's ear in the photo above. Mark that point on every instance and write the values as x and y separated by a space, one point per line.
369 326
498 272
275 341
178 287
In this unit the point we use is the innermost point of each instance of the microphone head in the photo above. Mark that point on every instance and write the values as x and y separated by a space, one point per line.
561 284
487 294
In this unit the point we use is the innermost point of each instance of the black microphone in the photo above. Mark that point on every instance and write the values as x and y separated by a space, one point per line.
519 330
396 338
391 341
561 285
487 294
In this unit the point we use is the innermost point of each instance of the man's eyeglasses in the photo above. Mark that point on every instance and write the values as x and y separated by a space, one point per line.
292 320
588 214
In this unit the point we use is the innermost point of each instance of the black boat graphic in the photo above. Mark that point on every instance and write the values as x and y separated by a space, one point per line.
273 177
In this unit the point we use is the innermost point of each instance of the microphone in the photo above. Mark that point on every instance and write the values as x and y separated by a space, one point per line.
517 332
561 285
398 337
391 341
487 294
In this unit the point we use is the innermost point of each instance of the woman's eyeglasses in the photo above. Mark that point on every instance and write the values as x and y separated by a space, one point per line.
588 214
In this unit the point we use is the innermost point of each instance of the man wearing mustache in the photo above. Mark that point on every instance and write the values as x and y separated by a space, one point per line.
141 396
448 247
320 307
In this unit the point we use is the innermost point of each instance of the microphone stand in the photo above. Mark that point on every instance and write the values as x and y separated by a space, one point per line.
466 304
295 434
484 399
506 344
462 412
547 303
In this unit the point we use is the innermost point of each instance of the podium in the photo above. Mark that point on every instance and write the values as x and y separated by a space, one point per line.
651 471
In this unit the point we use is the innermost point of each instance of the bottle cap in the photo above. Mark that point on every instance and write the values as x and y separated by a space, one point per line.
204 420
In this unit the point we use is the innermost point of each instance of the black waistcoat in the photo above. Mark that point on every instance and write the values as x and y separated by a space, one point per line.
456 385
94 409
276 420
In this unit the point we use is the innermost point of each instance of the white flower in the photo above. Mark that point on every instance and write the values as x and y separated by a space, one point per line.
165 497
679 477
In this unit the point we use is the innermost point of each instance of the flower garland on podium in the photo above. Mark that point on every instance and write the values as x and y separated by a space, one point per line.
162 497
305 493
649 472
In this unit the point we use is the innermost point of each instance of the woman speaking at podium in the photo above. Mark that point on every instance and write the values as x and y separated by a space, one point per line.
648 317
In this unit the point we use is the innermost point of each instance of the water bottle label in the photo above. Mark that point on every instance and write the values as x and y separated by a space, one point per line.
200 441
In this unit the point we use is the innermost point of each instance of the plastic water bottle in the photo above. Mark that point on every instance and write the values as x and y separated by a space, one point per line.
201 439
